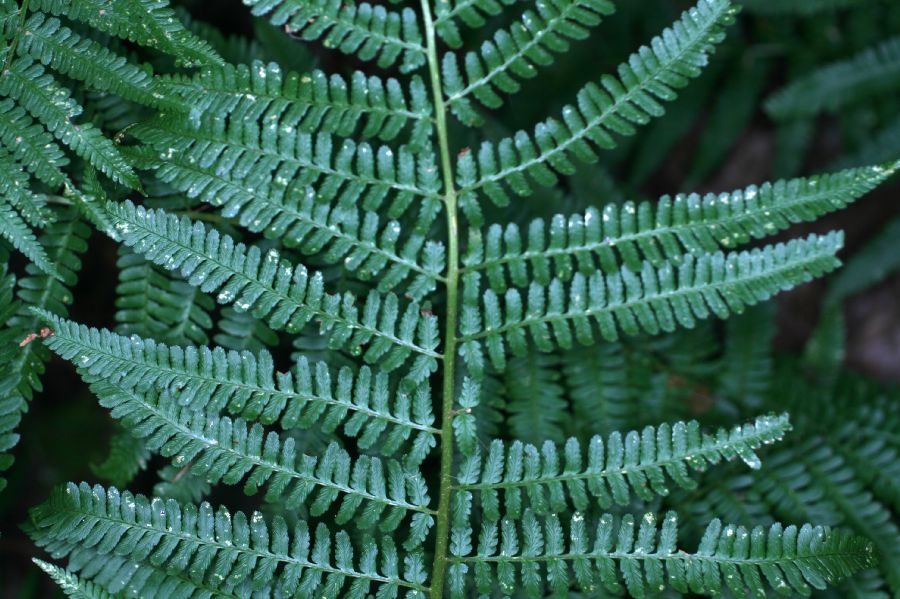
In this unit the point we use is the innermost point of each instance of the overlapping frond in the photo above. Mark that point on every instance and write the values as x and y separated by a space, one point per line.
212 552
873 71
473 13
12 404
516 53
641 558
151 303
150 23
17 232
27 83
625 465
650 300
310 192
369 32
283 295
310 102
247 384
46 40
366 490
632 233
31 145
239 331
22 363
649 77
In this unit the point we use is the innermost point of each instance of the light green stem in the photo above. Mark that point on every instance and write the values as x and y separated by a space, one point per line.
442 536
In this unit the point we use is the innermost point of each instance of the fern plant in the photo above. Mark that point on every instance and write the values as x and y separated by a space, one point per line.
349 219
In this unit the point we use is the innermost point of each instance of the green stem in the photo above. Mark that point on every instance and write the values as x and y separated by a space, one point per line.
442 535
23 14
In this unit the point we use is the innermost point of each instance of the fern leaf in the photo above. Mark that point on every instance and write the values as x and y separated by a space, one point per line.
651 300
50 103
150 23
746 374
214 550
273 149
515 53
323 220
31 144
310 102
533 394
151 303
634 463
48 41
367 490
685 224
615 106
643 558
70 584
17 232
247 384
127 456
15 190
12 403
474 13
21 367
284 296
239 331
65 241
872 72
369 32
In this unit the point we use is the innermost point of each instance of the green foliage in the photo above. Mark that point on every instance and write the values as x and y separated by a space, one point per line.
644 558
466 400
869 73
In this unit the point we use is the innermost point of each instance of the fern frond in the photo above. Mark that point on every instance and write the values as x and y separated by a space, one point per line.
218 552
65 240
685 224
150 23
642 558
70 584
284 296
368 491
28 84
31 145
15 190
152 304
292 189
474 13
615 106
46 40
369 32
516 53
17 232
533 394
239 331
651 300
310 102
747 371
625 465
872 72
340 171
12 403
246 384
127 456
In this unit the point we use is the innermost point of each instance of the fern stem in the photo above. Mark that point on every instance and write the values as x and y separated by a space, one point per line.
23 14
442 534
